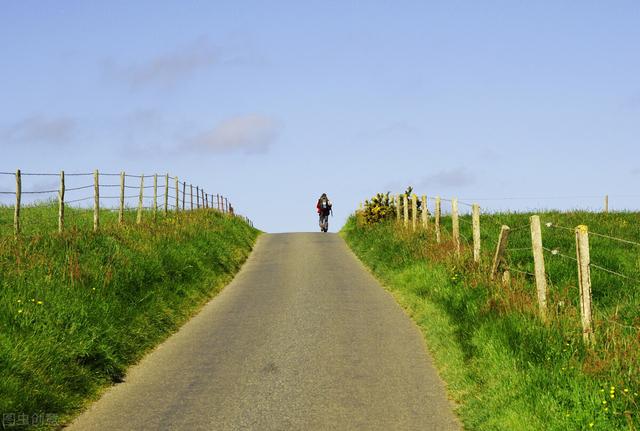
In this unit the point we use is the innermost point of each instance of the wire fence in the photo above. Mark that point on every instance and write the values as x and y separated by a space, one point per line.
79 193
573 257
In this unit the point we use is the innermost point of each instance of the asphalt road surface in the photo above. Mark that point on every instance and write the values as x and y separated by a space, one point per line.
304 338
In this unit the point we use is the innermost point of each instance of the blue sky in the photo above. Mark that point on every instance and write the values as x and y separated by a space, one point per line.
273 103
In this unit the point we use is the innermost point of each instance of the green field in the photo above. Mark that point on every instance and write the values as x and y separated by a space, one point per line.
79 307
505 368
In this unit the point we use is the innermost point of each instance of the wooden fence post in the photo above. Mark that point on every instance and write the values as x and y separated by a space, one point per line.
498 258
155 196
218 201
425 213
584 278
405 207
166 194
61 203
191 187
475 222
16 213
538 260
96 202
226 204
455 226
398 207
184 194
438 214
177 195
606 204
197 197
203 198
121 210
414 211
140 200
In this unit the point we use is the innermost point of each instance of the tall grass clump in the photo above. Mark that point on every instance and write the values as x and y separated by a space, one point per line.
503 365
77 308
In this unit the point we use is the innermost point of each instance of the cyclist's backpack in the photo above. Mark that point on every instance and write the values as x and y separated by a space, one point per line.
324 204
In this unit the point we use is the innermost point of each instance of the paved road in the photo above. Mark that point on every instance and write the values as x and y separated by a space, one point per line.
304 338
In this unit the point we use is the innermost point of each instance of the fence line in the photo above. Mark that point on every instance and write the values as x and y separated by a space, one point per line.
159 199
404 209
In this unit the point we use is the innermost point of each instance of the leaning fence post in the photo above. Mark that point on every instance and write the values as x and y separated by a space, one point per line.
61 203
140 200
121 211
166 194
475 222
538 261
455 226
425 213
438 213
584 279
414 211
498 258
16 213
405 207
96 203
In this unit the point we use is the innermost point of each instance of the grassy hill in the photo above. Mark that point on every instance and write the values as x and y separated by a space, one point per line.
506 368
77 308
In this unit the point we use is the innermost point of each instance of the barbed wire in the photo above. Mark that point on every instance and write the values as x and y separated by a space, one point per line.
78 200
508 198
39 192
601 268
556 252
70 189
614 238
520 271
553 225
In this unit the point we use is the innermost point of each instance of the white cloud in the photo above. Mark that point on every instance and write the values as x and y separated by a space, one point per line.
169 68
38 129
247 133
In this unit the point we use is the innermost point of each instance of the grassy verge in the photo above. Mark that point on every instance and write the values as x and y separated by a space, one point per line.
505 368
77 308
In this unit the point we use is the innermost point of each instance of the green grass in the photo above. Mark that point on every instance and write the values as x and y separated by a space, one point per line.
79 307
505 368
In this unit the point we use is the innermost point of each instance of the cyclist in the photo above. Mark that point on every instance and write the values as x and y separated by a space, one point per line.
324 208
